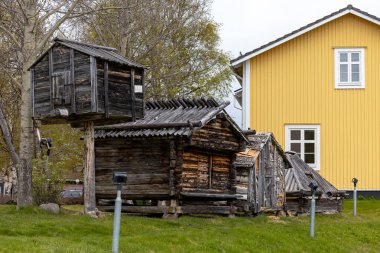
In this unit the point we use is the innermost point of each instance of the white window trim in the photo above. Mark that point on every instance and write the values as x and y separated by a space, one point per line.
317 128
349 85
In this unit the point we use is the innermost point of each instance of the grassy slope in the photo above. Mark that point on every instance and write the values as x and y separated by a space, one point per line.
32 230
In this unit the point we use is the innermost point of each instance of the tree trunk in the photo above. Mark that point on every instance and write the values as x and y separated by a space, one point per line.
8 137
89 168
24 194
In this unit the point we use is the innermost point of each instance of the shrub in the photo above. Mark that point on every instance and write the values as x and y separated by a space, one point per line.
47 183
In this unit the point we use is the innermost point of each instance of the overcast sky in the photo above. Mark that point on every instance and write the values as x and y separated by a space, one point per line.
248 24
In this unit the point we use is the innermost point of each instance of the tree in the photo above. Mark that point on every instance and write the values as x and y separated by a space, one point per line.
176 40
28 25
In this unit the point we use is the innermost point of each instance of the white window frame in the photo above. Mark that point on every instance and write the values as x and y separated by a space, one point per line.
317 141
349 84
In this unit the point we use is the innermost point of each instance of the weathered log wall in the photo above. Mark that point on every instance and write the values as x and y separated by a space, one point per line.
82 81
216 135
299 204
119 89
86 85
206 172
146 162
262 186
41 91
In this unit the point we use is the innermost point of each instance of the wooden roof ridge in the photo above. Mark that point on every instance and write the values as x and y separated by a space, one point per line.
173 117
98 51
57 39
258 140
185 103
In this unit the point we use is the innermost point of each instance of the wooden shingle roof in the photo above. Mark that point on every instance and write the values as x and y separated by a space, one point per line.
298 178
257 142
105 53
174 117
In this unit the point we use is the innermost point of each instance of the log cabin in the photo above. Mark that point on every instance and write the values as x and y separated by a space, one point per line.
261 174
298 193
179 159
74 82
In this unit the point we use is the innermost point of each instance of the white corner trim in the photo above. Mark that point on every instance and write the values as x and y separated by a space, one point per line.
246 97
305 31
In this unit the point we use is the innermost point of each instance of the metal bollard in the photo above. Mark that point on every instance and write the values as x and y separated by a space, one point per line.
116 221
312 215
313 187
118 178
355 181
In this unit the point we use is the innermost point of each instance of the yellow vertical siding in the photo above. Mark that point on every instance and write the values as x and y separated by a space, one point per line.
294 84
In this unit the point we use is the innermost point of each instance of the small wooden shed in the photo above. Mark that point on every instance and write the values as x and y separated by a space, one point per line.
74 82
298 194
261 174
179 159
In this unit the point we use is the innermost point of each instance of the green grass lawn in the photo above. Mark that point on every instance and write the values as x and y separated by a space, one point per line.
33 230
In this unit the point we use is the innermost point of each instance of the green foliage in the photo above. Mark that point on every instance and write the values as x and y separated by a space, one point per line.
67 148
176 40
65 160
46 182
33 230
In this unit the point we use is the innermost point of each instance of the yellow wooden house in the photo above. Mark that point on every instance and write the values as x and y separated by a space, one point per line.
318 90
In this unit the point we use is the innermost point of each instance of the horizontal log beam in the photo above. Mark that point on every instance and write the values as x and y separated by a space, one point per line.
149 126
137 209
209 195
199 209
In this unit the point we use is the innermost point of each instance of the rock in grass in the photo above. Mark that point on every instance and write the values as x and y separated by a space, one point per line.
96 214
281 214
51 207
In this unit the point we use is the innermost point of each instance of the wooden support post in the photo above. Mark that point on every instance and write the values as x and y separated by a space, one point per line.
143 91
250 190
210 172
32 90
94 84
89 168
106 98
261 182
51 78
172 165
133 95
233 183
275 193
72 80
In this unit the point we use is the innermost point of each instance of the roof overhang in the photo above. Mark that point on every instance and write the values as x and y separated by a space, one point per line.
347 10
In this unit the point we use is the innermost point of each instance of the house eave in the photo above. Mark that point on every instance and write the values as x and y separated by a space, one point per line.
348 10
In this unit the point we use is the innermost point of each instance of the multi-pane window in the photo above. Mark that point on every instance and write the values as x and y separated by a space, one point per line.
304 140
349 68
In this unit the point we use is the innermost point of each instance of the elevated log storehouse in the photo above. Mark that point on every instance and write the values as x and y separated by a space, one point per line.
298 194
179 159
261 174
74 82
86 85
